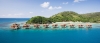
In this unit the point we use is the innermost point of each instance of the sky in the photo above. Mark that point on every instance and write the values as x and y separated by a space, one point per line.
46 8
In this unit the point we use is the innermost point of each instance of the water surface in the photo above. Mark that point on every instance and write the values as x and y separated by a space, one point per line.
59 35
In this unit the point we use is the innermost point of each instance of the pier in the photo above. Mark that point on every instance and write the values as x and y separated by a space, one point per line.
36 25
63 25
15 26
80 26
54 25
27 26
72 26
46 25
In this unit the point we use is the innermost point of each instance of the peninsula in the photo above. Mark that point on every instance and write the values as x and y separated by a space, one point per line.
65 17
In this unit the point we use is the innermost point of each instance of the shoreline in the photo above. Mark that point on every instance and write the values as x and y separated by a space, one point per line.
24 22
94 25
76 24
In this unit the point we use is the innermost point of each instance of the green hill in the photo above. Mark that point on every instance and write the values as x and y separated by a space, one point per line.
92 17
67 16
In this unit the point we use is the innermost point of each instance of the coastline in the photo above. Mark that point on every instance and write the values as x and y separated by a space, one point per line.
94 25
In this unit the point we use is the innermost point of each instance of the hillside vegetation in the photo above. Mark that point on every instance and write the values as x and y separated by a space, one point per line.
67 16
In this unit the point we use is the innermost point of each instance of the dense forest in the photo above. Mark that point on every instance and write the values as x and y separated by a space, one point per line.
67 16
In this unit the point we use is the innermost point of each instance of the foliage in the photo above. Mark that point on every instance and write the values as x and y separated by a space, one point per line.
67 16
38 20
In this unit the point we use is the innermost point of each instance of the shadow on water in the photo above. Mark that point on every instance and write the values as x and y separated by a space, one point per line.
88 29
45 29
12 30
81 28
53 29
36 29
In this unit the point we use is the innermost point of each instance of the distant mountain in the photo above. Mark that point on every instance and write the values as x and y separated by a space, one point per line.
67 16
94 17
95 14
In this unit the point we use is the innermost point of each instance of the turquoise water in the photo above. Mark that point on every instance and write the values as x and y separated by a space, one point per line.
50 35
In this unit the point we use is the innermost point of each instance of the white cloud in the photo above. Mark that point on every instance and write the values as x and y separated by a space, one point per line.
12 15
59 7
65 3
45 4
31 12
51 8
78 0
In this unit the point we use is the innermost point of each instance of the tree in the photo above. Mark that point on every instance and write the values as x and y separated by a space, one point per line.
67 16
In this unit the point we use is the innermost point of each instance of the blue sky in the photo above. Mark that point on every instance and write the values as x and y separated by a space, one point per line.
46 8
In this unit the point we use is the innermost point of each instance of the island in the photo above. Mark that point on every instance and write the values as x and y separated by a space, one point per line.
66 16
64 19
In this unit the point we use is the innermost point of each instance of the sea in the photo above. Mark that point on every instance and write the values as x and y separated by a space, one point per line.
49 35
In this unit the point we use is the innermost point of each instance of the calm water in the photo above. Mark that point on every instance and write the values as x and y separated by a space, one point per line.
65 35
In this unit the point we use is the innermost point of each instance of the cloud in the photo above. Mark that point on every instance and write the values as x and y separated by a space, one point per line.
30 12
51 8
78 0
45 4
65 3
12 15
59 7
